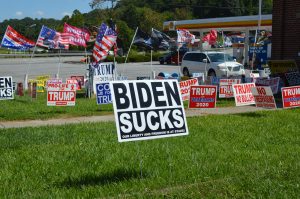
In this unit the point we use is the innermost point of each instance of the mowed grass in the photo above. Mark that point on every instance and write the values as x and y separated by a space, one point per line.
24 108
250 155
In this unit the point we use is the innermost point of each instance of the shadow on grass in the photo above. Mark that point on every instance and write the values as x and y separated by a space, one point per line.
103 179
251 114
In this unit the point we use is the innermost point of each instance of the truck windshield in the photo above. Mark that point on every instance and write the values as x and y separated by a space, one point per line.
219 57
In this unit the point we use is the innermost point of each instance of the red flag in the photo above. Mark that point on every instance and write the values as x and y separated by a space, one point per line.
211 37
79 37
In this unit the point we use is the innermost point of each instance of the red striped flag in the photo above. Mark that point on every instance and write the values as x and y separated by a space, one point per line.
106 38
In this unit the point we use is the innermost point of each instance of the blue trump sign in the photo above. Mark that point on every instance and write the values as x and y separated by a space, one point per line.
103 93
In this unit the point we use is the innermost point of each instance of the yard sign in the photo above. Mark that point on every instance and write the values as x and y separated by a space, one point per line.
148 109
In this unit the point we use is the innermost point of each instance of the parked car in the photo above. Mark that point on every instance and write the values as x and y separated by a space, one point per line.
172 57
212 63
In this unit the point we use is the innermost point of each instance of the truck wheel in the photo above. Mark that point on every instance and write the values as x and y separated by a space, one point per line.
186 72
211 73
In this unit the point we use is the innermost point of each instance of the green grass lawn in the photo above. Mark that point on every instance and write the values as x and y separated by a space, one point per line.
250 155
24 108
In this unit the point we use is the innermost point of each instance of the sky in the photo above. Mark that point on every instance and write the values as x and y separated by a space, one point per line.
57 9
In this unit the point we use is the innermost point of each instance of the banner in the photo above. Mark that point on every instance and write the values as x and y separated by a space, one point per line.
185 87
103 93
61 94
242 94
148 109
225 87
204 96
290 96
6 88
263 97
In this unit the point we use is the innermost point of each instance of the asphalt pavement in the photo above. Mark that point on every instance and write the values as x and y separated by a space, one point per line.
64 67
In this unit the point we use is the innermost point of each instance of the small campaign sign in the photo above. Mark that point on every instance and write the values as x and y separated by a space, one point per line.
272 82
54 81
263 97
242 94
203 96
290 96
6 88
225 87
103 93
185 87
80 80
148 109
61 94
104 69
199 76
73 81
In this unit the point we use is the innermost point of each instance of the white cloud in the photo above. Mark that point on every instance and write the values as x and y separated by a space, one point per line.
19 13
66 13
39 13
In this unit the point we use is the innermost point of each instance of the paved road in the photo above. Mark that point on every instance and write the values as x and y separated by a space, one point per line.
18 67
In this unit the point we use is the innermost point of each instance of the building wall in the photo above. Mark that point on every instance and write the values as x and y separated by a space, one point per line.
286 30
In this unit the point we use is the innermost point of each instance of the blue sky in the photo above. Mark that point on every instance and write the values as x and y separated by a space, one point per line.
57 9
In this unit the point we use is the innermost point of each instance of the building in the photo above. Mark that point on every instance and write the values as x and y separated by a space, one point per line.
286 30
243 24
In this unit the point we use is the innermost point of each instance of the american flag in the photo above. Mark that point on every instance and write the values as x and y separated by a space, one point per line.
106 38
184 36
49 38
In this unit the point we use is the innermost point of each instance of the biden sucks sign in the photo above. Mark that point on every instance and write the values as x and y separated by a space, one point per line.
148 109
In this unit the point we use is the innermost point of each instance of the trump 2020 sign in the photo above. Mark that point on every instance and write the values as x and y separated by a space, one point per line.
148 109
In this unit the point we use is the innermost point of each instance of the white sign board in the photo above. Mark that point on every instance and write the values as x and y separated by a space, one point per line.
263 97
6 88
242 94
185 87
148 109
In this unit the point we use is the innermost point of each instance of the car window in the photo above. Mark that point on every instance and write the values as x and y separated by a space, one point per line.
219 57
188 57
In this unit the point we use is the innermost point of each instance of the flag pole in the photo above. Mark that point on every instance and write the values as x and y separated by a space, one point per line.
224 51
131 44
256 33
4 36
59 62
30 61
151 59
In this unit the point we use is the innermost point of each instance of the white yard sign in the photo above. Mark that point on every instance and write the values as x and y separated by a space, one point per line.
6 88
148 109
